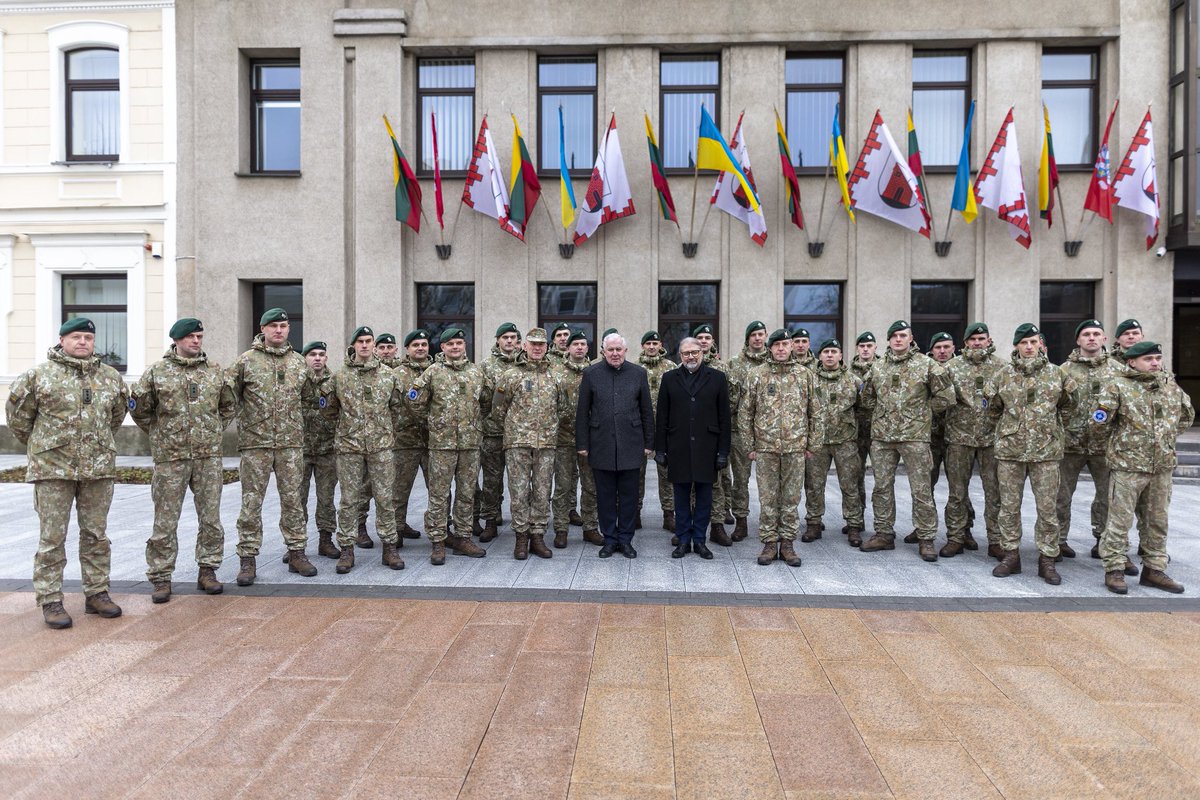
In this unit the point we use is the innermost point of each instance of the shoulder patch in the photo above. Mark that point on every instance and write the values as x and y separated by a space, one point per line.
321 402
412 393
1100 416
132 403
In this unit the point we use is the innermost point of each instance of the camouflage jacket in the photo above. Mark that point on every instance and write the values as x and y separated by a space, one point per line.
655 369
570 375
408 426
903 392
1032 400
362 397
714 360
184 404
740 368
862 369
967 421
268 382
319 431
496 365
808 362
1145 413
66 411
454 396
530 403
555 355
779 412
1090 375
837 401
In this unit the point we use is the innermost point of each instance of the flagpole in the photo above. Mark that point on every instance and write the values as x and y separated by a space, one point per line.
1058 191
950 218
824 190
550 217
695 187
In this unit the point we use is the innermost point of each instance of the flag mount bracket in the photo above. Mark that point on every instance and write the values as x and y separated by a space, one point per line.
1072 248
815 249
690 248
566 249
443 251
942 248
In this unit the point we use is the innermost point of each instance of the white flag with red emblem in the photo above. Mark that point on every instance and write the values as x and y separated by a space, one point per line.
883 184
1001 185
729 195
1136 184
484 190
608 195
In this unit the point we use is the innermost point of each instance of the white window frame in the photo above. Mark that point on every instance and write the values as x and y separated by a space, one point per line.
72 36
7 241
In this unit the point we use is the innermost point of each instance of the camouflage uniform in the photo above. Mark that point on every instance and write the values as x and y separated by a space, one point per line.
268 383
1031 400
862 415
66 411
570 468
723 486
491 455
454 396
320 462
184 405
409 440
970 439
903 392
837 406
1086 443
779 419
741 367
655 369
808 361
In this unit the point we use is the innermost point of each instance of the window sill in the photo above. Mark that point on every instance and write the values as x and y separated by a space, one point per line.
106 163
240 174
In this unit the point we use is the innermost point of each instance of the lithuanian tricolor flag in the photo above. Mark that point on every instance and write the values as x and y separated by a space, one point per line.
790 183
524 188
658 176
1047 173
408 191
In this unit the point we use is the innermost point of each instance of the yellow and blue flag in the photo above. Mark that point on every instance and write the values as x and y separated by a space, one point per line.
713 153
964 193
566 192
837 158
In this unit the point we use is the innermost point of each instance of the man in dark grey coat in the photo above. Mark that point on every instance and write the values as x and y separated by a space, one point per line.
691 439
614 431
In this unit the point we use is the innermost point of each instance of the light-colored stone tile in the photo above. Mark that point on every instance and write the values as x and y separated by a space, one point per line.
781 661
930 770
640 720
744 769
882 702
835 633
711 695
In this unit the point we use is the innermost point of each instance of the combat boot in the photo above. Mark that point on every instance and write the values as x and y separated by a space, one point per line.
729 518
437 555
812 532
926 550
463 546
969 541
787 553
592 536
950 549
345 561
574 519
995 551
409 532
669 522
391 558
854 535
1096 550
327 547
912 538
538 547
880 541
521 547
1047 571
717 535
1009 565
769 553
560 540
207 581
247 573
298 562
1160 580
363 540
740 529
161 593
1130 568
54 615
100 603
489 531
476 528
1114 581
1065 550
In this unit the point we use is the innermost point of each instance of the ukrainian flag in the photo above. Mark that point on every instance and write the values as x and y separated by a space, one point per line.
837 158
713 153
566 193
964 193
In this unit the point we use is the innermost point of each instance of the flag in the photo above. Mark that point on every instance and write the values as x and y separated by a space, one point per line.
732 199
1047 173
437 175
837 159
666 203
883 183
1136 183
484 189
408 191
713 153
1099 199
963 200
1000 184
566 194
914 157
790 184
608 195
523 187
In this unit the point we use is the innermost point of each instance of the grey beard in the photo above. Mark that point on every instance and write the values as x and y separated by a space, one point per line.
691 367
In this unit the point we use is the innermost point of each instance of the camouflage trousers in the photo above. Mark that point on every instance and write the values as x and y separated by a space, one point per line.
1128 493
52 501
530 473
362 476
780 485
1069 468
666 493
407 460
864 452
167 489
960 459
570 469
937 455
884 458
460 467
1043 477
722 493
491 493
849 470
323 469
255 473
739 463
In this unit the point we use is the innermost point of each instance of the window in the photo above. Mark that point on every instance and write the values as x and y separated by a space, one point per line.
446 305
102 299
571 84
685 84
941 96
275 116
816 307
1069 89
938 307
572 303
814 89
1063 307
1181 88
288 296
93 104
683 306
446 87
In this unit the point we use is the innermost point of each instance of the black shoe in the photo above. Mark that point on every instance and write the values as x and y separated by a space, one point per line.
681 550
729 518
607 550
628 550
701 549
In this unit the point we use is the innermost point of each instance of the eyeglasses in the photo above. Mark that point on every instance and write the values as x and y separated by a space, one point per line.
687 353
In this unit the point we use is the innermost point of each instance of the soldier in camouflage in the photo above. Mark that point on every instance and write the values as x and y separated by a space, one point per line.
1128 333
802 353
560 337
491 494
1031 399
66 411
320 461
570 468
409 436
1145 412
860 365
779 417
754 354
941 350
184 404
656 364
723 486
385 351
837 392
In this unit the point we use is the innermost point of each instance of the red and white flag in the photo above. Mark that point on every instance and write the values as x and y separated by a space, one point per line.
883 184
730 196
1099 199
1001 185
608 195
485 190
1136 183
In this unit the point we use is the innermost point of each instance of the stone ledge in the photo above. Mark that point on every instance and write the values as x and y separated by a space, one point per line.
370 22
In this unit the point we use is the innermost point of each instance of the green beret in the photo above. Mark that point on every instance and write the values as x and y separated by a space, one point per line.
756 325
898 325
186 326
864 337
608 332
78 324
452 333
412 336
1142 348
699 329
800 333
974 328
940 336
272 315
778 335
1128 325
362 330
308 348
1088 323
830 343
1025 331
385 338
577 336
562 326
507 327
651 336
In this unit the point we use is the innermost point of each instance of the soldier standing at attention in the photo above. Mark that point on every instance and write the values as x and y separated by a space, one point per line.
1129 332
723 486
184 404
860 365
385 351
941 350
778 416
409 436
802 349
754 354
656 364
267 381
320 462
454 396
570 468
491 494
561 336
904 389
1031 400
837 390
1146 412
66 411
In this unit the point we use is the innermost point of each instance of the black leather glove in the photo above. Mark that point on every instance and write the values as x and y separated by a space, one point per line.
660 458
722 461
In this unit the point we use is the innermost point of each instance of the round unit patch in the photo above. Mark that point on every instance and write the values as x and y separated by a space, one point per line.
132 403
321 403
1100 415
412 394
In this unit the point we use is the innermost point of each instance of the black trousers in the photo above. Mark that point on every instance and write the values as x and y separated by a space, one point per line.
691 525
616 503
